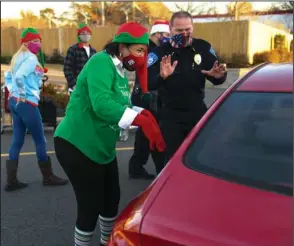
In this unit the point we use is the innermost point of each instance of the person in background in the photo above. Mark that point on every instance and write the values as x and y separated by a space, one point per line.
159 34
85 140
77 56
182 67
23 81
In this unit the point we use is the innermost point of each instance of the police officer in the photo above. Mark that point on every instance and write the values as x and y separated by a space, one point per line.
181 67
159 34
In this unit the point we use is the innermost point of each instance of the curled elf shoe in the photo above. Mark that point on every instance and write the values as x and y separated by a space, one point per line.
49 178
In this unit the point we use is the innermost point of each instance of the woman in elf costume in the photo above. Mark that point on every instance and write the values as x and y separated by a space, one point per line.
85 140
23 82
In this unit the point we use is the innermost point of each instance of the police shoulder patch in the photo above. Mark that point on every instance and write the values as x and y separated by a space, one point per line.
212 51
151 59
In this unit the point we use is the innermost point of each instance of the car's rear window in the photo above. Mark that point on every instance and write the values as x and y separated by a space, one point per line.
248 140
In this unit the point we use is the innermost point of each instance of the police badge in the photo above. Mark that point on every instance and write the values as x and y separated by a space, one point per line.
197 59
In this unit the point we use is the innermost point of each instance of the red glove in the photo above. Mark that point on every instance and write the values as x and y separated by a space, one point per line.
149 115
151 131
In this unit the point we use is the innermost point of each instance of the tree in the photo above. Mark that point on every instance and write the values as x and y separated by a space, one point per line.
191 8
282 6
49 15
81 12
152 11
28 17
287 19
237 9
129 11
101 12
66 19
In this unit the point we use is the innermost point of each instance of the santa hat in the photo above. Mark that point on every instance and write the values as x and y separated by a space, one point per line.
160 26
30 34
134 33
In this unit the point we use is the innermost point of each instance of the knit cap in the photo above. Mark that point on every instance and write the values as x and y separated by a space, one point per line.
134 33
30 34
83 27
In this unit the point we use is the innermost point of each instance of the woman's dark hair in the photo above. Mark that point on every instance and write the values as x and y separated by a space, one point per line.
112 48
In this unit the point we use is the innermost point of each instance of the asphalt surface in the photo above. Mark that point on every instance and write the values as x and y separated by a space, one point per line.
45 216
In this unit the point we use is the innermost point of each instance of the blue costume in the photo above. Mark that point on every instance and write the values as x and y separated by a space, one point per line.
23 82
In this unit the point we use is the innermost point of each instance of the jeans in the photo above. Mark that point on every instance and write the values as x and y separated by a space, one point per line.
26 116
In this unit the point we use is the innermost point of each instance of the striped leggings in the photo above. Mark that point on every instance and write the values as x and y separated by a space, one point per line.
96 188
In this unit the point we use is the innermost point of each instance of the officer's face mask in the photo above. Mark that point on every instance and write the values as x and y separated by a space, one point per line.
181 40
164 40
131 62
85 38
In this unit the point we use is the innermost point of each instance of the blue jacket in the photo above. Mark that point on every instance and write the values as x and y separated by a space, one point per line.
25 79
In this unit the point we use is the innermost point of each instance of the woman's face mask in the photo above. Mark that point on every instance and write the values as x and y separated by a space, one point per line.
134 59
131 62
34 47
85 38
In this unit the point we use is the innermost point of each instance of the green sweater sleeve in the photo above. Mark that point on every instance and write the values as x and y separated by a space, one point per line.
100 77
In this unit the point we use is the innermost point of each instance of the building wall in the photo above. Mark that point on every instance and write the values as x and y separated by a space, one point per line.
261 37
284 20
227 38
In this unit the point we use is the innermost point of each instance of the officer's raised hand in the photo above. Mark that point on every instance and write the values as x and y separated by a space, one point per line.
217 71
166 68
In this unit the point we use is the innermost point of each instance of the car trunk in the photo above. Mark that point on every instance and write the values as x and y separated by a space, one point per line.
196 209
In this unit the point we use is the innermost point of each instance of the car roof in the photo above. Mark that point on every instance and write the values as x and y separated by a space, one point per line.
268 78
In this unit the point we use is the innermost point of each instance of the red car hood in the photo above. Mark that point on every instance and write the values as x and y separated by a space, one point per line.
196 209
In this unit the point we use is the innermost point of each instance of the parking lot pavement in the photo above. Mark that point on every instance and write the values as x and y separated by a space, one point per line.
45 216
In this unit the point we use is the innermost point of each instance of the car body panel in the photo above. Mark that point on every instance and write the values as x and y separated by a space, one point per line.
270 78
197 209
187 207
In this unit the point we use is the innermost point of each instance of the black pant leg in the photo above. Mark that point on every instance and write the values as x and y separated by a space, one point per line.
174 134
111 190
87 179
158 159
141 152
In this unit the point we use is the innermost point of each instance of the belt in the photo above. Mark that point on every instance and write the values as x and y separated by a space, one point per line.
31 103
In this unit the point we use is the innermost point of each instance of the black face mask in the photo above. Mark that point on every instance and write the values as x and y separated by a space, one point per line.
128 67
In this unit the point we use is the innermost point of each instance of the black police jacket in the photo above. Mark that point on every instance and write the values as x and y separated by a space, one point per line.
184 89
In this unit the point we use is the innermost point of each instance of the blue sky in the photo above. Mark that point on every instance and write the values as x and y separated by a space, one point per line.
12 9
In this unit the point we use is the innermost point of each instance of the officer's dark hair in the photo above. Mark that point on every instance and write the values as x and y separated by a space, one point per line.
180 14
112 49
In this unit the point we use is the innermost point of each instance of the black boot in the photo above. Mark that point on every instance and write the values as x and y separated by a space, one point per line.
48 177
11 172
140 173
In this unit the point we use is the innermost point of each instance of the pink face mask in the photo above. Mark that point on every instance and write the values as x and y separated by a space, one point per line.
34 47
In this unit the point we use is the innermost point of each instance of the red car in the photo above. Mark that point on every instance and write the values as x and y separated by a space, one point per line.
231 181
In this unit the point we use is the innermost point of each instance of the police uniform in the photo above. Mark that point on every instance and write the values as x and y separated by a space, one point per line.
183 91
141 146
